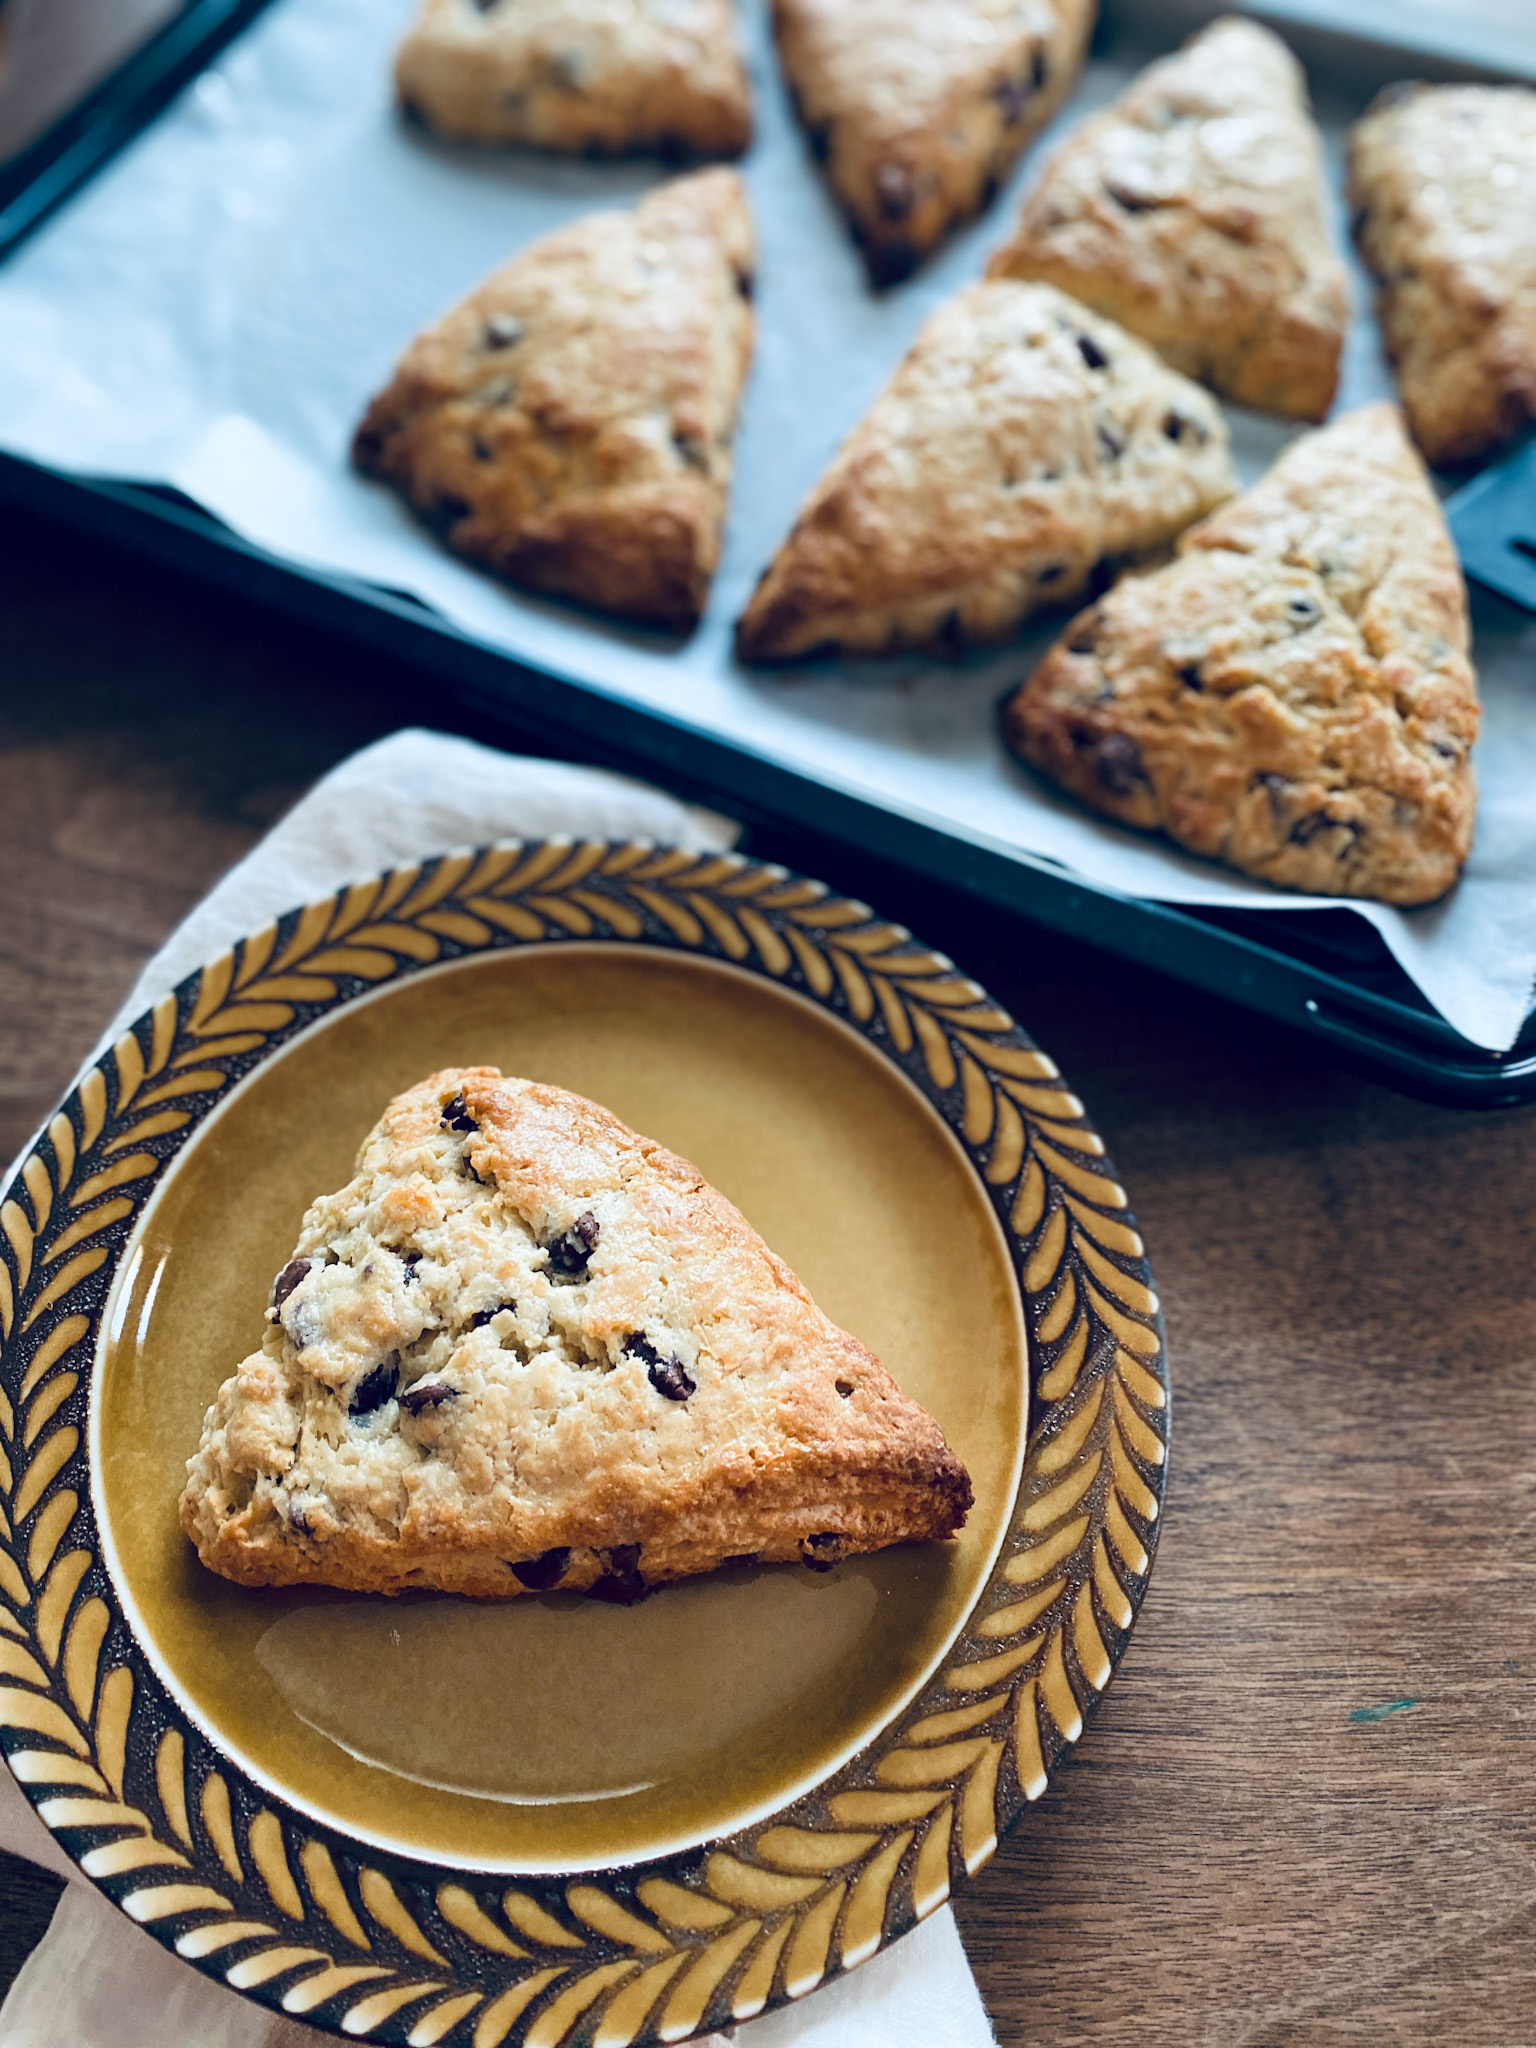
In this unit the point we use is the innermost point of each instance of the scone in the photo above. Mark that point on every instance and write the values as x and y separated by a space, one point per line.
569 424
525 1348
1442 180
1192 211
580 75
918 108
1293 694
1023 446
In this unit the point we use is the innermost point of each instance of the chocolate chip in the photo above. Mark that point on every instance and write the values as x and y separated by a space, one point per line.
1039 70
539 1573
621 1583
1189 676
288 1279
1111 446
377 1388
484 452
823 1551
427 1394
299 1519
1012 95
1306 829
448 510
1117 764
844 1387
568 1255
894 192
746 283
1304 611
691 449
1175 426
456 1116
668 1376
482 1316
503 330
1092 355
411 1261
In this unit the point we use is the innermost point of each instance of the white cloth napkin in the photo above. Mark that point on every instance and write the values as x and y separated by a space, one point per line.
96 1980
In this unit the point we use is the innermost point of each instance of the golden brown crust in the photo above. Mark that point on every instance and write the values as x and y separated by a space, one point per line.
1442 180
1293 694
525 1347
569 424
580 76
1192 211
1023 443
919 108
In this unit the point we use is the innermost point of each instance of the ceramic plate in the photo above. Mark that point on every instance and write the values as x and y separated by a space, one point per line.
557 1821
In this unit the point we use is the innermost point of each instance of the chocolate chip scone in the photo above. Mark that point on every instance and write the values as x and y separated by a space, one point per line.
580 75
569 424
1441 180
1022 446
1192 211
525 1348
1292 694
918 108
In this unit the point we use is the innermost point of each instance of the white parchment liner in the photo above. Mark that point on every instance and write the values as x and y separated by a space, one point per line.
218 306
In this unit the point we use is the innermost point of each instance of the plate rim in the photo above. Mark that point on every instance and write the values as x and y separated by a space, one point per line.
178 1836
760 1815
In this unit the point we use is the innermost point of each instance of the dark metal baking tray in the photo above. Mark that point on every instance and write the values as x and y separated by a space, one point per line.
1325 973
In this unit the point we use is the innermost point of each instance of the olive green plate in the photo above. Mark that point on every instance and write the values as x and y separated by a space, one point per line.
557 1821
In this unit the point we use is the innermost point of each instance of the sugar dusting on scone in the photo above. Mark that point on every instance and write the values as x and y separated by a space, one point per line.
920 108
1441 180
1292 695
1193 210
580 76
1022 447
524 1349
569 425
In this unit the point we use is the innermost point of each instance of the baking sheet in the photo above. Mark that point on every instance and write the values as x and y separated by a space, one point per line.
216 309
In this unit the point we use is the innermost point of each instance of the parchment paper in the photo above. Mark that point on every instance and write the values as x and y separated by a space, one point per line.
216 309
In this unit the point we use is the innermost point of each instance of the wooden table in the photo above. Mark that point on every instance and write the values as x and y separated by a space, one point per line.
1302 1818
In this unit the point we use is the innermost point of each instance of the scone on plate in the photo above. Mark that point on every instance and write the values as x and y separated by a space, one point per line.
1293 694
581 76
1442 180
1192 210
1023 446
525 1349
919 108
569 424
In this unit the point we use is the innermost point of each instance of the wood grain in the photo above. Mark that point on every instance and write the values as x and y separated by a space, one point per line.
1246 1849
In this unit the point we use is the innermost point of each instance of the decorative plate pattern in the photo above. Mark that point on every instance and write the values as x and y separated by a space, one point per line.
387 1948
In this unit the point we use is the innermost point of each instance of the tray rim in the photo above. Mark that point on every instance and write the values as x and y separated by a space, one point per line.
118 1770
1414 1050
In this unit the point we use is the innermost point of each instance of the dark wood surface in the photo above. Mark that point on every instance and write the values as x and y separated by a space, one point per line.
1302 1818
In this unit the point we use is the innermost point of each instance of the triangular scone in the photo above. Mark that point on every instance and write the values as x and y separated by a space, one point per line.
918 108
1192 210
1293 694
1022 445
569 424
580 75
525 1348
1442 180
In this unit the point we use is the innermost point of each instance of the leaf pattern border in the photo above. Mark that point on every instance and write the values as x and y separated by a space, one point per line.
392 1949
